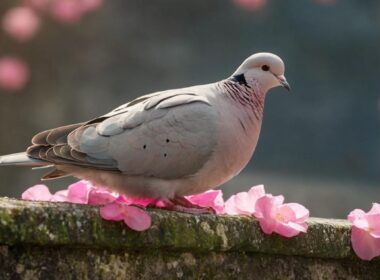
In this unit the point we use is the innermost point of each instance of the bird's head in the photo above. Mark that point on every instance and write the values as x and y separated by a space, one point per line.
266 69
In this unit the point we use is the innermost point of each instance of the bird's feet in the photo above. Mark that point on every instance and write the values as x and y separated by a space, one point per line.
181 204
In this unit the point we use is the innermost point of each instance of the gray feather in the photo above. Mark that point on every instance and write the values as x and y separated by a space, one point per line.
20 159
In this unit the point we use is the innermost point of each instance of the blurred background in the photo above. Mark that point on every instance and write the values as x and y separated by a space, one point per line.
66 61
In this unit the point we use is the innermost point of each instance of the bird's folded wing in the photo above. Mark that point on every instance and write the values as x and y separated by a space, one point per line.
167 135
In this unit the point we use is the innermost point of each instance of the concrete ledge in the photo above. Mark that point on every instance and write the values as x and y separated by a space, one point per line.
59 239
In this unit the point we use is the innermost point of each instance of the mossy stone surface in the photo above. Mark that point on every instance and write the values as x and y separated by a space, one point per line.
62 240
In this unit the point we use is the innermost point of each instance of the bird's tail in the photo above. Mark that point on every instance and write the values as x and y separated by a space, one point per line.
21 159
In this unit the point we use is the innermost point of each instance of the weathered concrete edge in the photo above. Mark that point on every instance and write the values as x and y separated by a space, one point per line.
57 224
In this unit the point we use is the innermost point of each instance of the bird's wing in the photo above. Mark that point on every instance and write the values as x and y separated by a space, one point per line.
167 134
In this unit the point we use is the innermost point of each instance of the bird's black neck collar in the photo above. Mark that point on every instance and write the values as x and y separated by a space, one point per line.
240 79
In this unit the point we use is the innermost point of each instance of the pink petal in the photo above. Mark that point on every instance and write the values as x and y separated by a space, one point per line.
230 206
375 209
112 212
138 201
355 215
365 246
285 219
136 218
290 229
212 199
60 196
373 223
256 192
243 203
266 206
79 192
21 23
38 193
14 73
268 226
101 196
294 212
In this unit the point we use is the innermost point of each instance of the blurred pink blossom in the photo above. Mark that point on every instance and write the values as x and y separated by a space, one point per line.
37 193
365 233
285 219
14 73
134 217
243 203
66 11
209 199
21 23
251 5
37 4
90 5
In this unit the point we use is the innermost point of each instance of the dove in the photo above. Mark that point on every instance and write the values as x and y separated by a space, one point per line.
166 144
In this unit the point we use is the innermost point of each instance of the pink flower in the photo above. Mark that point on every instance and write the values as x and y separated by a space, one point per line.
251 5
78 192
209 199
142 201
90 5
134 217
243 203
60 196
37 4
13 73
66 11
101 196
83 192
365 233
37 193
21 23
285 219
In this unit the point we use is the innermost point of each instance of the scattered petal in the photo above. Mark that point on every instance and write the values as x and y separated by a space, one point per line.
60 196
365 233
37 193
243 203
79 192
135 218
101 196
112 212
285 219
142 201
209 199
21 23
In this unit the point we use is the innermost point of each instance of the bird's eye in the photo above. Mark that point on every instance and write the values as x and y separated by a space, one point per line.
265 67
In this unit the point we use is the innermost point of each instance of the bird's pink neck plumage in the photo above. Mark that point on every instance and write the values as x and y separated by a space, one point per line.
249 97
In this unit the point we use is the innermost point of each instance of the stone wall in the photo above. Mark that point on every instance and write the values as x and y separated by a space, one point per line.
41 240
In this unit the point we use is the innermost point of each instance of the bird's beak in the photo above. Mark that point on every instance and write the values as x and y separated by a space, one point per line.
283 82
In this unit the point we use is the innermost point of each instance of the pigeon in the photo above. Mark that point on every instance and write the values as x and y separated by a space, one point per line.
166 144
